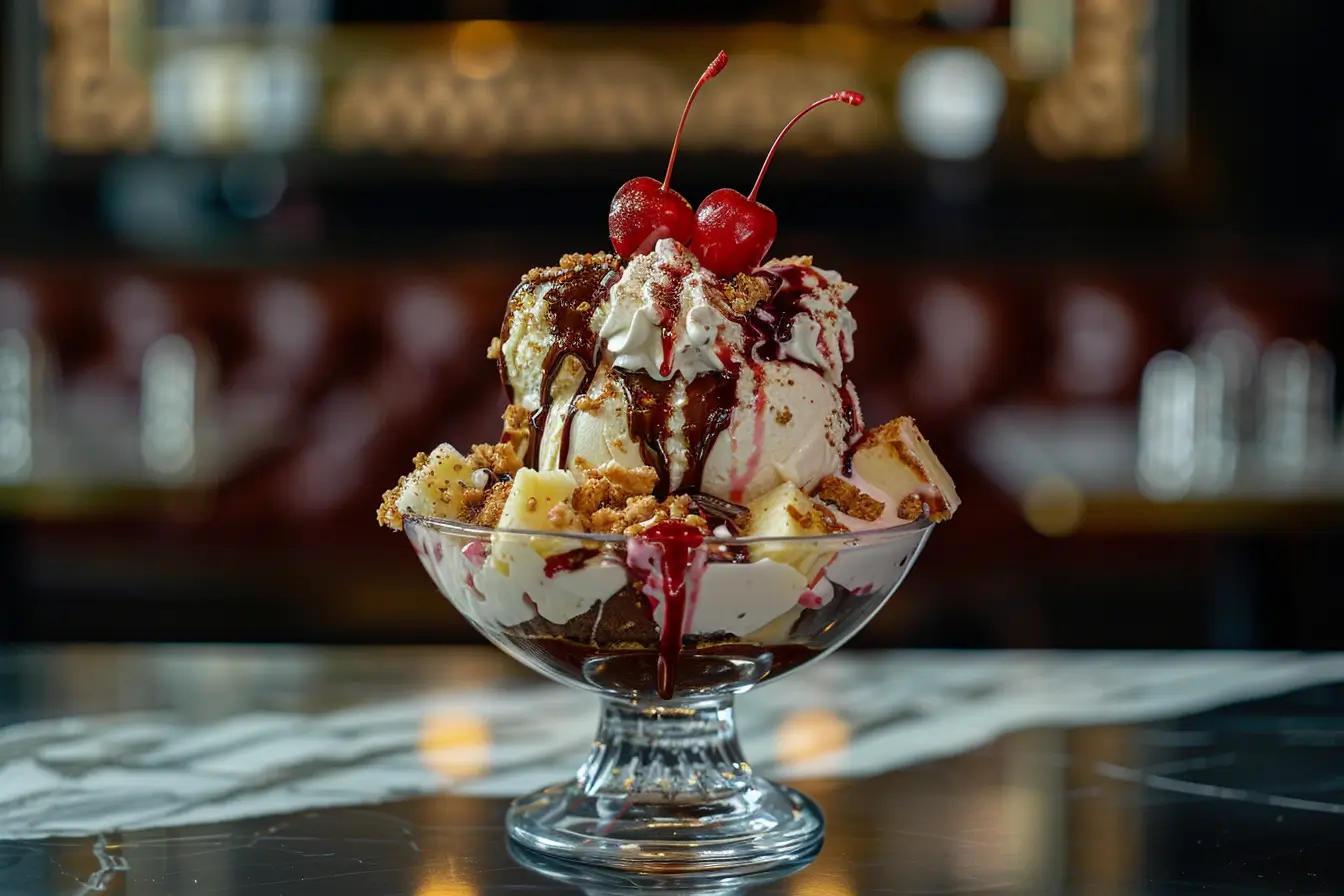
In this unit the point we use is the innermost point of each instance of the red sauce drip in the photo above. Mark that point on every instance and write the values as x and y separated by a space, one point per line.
679 543
669 340
568 561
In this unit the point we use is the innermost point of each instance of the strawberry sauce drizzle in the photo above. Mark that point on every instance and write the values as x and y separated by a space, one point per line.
569 561
740 479
676 563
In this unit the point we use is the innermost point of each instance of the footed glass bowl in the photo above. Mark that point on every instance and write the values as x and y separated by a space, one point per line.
666 628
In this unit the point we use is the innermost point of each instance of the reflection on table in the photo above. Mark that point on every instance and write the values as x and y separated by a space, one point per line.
262 771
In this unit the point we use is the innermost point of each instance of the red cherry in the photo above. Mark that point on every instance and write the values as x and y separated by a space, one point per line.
644 211
733 232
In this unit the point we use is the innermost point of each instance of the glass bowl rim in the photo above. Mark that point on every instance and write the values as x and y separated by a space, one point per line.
470 530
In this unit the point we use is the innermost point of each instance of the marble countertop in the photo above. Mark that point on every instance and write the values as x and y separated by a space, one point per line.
271 770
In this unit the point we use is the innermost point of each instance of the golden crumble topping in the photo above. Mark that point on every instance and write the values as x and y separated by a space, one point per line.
517 426
745 292
643 512
573 263
910 508
501 459
797 261
612 485
609 392
849 498
482 507
388 514
819 518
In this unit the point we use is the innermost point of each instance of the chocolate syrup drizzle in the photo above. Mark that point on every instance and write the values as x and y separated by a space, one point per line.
571 300
707 411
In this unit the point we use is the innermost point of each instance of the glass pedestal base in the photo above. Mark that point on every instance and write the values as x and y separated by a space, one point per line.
667 791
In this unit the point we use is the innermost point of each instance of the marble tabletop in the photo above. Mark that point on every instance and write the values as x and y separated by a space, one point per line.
286 770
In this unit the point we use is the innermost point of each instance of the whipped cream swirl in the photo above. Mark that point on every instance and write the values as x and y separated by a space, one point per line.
821 330
667 316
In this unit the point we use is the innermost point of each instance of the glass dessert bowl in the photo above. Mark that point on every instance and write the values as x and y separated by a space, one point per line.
666 627
684 502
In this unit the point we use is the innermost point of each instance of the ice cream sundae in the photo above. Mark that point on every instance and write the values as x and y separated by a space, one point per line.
683 451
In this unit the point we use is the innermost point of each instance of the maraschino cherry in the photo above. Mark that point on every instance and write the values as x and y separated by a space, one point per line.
644 211
733 232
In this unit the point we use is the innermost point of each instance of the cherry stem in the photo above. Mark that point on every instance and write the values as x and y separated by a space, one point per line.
715 67
848 97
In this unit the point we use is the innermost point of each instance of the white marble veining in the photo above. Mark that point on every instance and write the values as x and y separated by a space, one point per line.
101 773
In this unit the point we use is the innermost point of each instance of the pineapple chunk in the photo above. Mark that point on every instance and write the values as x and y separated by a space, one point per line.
786 512
897 459
435 487
529 504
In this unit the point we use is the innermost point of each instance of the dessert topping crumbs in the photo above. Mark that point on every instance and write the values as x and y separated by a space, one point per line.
849 498
501 459
745 292
388 514
517 421
797 261
571 263
910 508
819 519
590 403
612 485
483 507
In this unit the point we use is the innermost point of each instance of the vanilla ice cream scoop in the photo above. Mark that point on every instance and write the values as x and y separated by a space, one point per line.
725 387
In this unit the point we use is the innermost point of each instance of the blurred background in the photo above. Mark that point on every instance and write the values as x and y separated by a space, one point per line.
252 253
